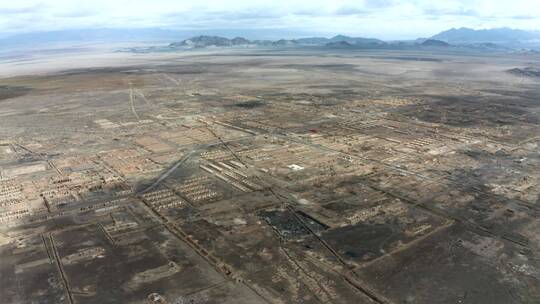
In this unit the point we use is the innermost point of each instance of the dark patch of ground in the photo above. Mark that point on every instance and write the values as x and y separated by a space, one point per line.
468 111
7 92
250 104
527 72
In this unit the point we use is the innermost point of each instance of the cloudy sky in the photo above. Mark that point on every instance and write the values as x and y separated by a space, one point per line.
387 19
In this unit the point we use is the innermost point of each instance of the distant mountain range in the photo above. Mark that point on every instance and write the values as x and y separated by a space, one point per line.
497 35
217 41
500 39
491 40
341 42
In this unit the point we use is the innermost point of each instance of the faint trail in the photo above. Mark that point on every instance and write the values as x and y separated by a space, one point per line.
168 172
131 102
148 102
175 81
179 163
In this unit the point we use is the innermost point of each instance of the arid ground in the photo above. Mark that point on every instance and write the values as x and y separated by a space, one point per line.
269 176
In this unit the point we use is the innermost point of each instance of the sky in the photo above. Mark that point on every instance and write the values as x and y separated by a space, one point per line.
384 19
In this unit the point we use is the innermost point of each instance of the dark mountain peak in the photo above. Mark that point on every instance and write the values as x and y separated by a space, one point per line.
240 41
341 38
205 41
434 42
262 42
357 40
284 42
339 44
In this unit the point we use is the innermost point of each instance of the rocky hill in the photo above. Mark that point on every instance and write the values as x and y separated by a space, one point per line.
206 41
357 40
339 44
434 42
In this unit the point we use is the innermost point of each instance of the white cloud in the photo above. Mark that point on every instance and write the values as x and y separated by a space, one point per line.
381 18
